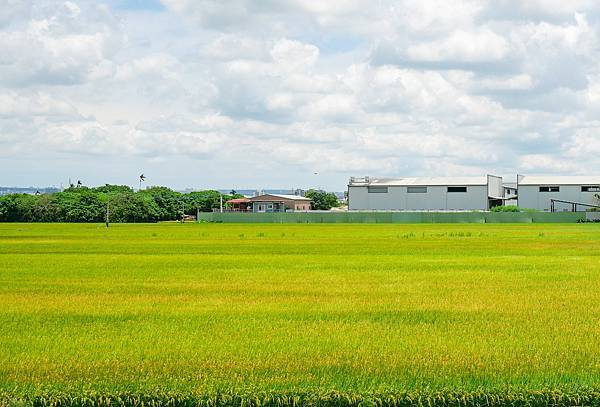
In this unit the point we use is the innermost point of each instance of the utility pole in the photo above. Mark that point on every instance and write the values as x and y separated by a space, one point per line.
107 212
221 196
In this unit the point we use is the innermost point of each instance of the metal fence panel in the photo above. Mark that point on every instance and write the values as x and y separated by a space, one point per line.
557 217
392 217
516 217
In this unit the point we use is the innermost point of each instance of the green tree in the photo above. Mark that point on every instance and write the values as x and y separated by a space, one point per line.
83 204
46 209
168 202
206 201
133 207
113 189
322 200
4 209
17 208
80 205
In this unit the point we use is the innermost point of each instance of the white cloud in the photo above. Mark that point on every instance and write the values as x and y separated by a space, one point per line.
228 47
62 46
341 88
13 104
513 82
14 10
157 66
293 55
546 163
465 46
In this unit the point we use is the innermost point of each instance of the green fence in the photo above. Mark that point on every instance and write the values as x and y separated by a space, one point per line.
393 217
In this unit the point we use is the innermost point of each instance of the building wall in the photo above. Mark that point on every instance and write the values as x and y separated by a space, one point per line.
436 198
531 197
275 202
301 206
495 186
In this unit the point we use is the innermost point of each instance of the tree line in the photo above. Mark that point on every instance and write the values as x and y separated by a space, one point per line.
83 204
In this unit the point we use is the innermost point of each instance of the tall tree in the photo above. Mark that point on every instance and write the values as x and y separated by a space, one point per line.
322 200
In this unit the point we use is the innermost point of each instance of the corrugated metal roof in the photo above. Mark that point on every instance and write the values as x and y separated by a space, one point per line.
293 197
421 181
282 196
560 180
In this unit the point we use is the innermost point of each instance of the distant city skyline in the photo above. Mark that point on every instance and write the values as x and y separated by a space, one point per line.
247 93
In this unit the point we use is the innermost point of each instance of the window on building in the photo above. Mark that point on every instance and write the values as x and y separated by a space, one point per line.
550 189
377 190
416 190
590 188
457 189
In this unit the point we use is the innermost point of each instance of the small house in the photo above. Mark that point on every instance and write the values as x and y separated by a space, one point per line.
279 203
239 205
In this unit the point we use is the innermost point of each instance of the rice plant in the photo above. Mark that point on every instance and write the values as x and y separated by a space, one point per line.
197 314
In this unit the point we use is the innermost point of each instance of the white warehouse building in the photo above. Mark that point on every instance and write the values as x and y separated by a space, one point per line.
425 194
537 192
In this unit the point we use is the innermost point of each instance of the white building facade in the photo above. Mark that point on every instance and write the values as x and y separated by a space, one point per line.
425 194
537 192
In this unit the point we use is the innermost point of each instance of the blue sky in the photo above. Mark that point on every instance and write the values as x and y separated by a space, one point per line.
244 94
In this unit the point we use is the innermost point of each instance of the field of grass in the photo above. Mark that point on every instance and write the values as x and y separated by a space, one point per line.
299 314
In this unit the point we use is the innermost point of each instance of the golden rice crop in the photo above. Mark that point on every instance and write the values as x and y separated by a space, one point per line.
264 314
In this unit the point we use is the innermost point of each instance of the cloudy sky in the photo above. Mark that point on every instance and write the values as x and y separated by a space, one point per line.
266 93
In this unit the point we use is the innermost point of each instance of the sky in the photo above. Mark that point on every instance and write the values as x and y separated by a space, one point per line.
295 93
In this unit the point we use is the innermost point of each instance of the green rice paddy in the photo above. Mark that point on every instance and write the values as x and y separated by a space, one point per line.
267 314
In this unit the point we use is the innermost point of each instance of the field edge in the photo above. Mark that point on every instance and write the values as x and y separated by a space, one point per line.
543 397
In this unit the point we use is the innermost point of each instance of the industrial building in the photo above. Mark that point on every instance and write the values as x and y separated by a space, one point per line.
558 193
426 193
542 193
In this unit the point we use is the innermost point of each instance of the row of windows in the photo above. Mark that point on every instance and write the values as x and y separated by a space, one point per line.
412 190
585 188
590 188
423 190
549 189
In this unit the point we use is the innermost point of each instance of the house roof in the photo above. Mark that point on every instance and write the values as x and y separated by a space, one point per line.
560 180
280 196
239 200
419 181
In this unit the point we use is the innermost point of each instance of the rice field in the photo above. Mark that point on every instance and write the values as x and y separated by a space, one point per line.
297 314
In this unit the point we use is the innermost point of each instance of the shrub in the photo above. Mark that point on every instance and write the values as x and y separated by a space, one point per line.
512 209
508 208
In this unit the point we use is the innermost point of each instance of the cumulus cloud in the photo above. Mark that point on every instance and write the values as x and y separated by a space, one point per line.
462 46
62 45
339 88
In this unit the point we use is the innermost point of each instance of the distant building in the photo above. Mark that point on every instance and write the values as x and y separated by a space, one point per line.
239 205
426 193
537 192
27 190
279 203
